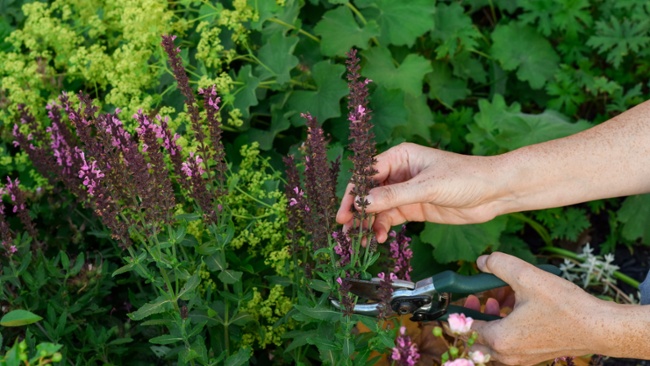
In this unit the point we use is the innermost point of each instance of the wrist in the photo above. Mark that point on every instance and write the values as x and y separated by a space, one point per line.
624 330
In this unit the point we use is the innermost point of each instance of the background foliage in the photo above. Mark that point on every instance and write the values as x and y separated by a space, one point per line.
476 76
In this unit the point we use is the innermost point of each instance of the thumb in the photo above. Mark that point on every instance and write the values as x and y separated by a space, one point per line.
393 195
510 269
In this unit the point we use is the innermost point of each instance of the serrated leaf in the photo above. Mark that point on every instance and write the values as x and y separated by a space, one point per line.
166 339
277 59
157 306
520 47
19 317
444 87
402 23
455 29
635 214
339 32
324 102
462 242
229 276
319 313
408 76
618 39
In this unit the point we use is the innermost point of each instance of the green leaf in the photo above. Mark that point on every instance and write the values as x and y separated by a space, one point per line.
216 262
572 223
419 119
239 358
407 76
463 242
618 39
444 87
635 215
520 47
245 96
339 32
189 287
230 277
277 59
157 306
388 112
166 339
455 29
19 317
320 313
324 102
402 23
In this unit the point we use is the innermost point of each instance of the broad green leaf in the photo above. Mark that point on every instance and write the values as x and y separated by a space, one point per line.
455 29
339 32
520 47
157 306
388 112
502 128
276 58
401 23
635 215
408 76
324 102
19 317
445 87
462 242
419 119
320 313
239 358
229 276
245 96
216 262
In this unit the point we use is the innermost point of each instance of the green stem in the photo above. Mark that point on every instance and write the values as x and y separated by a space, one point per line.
569 254
541 231
301 31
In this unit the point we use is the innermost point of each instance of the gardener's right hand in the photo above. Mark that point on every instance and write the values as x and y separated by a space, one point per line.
418 183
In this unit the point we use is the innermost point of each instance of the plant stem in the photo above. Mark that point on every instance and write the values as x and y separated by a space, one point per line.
301 31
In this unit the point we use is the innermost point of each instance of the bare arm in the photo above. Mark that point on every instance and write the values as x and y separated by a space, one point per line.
424 184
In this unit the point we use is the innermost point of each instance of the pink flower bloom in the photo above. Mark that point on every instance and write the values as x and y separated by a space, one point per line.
459 323
459 362
405 351
13 249
479 357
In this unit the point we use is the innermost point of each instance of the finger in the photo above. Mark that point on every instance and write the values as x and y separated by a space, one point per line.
384 221
344 214
492 307
395 195
472 302
508 268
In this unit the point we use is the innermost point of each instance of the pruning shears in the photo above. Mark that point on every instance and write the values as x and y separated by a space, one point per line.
428 299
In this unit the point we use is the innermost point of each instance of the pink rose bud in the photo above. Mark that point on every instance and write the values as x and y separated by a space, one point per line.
459 323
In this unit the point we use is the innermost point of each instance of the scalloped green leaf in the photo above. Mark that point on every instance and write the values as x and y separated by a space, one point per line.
408 76
245 96
402 23
388 112
444 87
340 32
634 214
521 47
324 102
454 243
455 30
277 59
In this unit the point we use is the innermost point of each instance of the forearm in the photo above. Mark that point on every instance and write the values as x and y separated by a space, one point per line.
608 160
625 331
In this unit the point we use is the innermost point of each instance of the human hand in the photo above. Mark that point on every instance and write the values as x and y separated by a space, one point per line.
417 183
552 317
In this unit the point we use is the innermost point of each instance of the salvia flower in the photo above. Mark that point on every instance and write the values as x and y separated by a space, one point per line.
405 352
20 208
459 323
343 247
401 253
385 294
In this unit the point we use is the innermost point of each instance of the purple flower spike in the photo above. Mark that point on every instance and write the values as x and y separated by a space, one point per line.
405 352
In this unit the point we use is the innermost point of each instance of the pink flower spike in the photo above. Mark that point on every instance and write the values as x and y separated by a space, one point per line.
459 323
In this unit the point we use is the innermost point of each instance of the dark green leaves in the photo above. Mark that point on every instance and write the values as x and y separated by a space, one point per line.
19 317
401 23
454 28
619 38
520 47
406 76
277 59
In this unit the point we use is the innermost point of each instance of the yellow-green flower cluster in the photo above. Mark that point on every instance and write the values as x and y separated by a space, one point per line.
258 206
236 20
267 312
206 282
